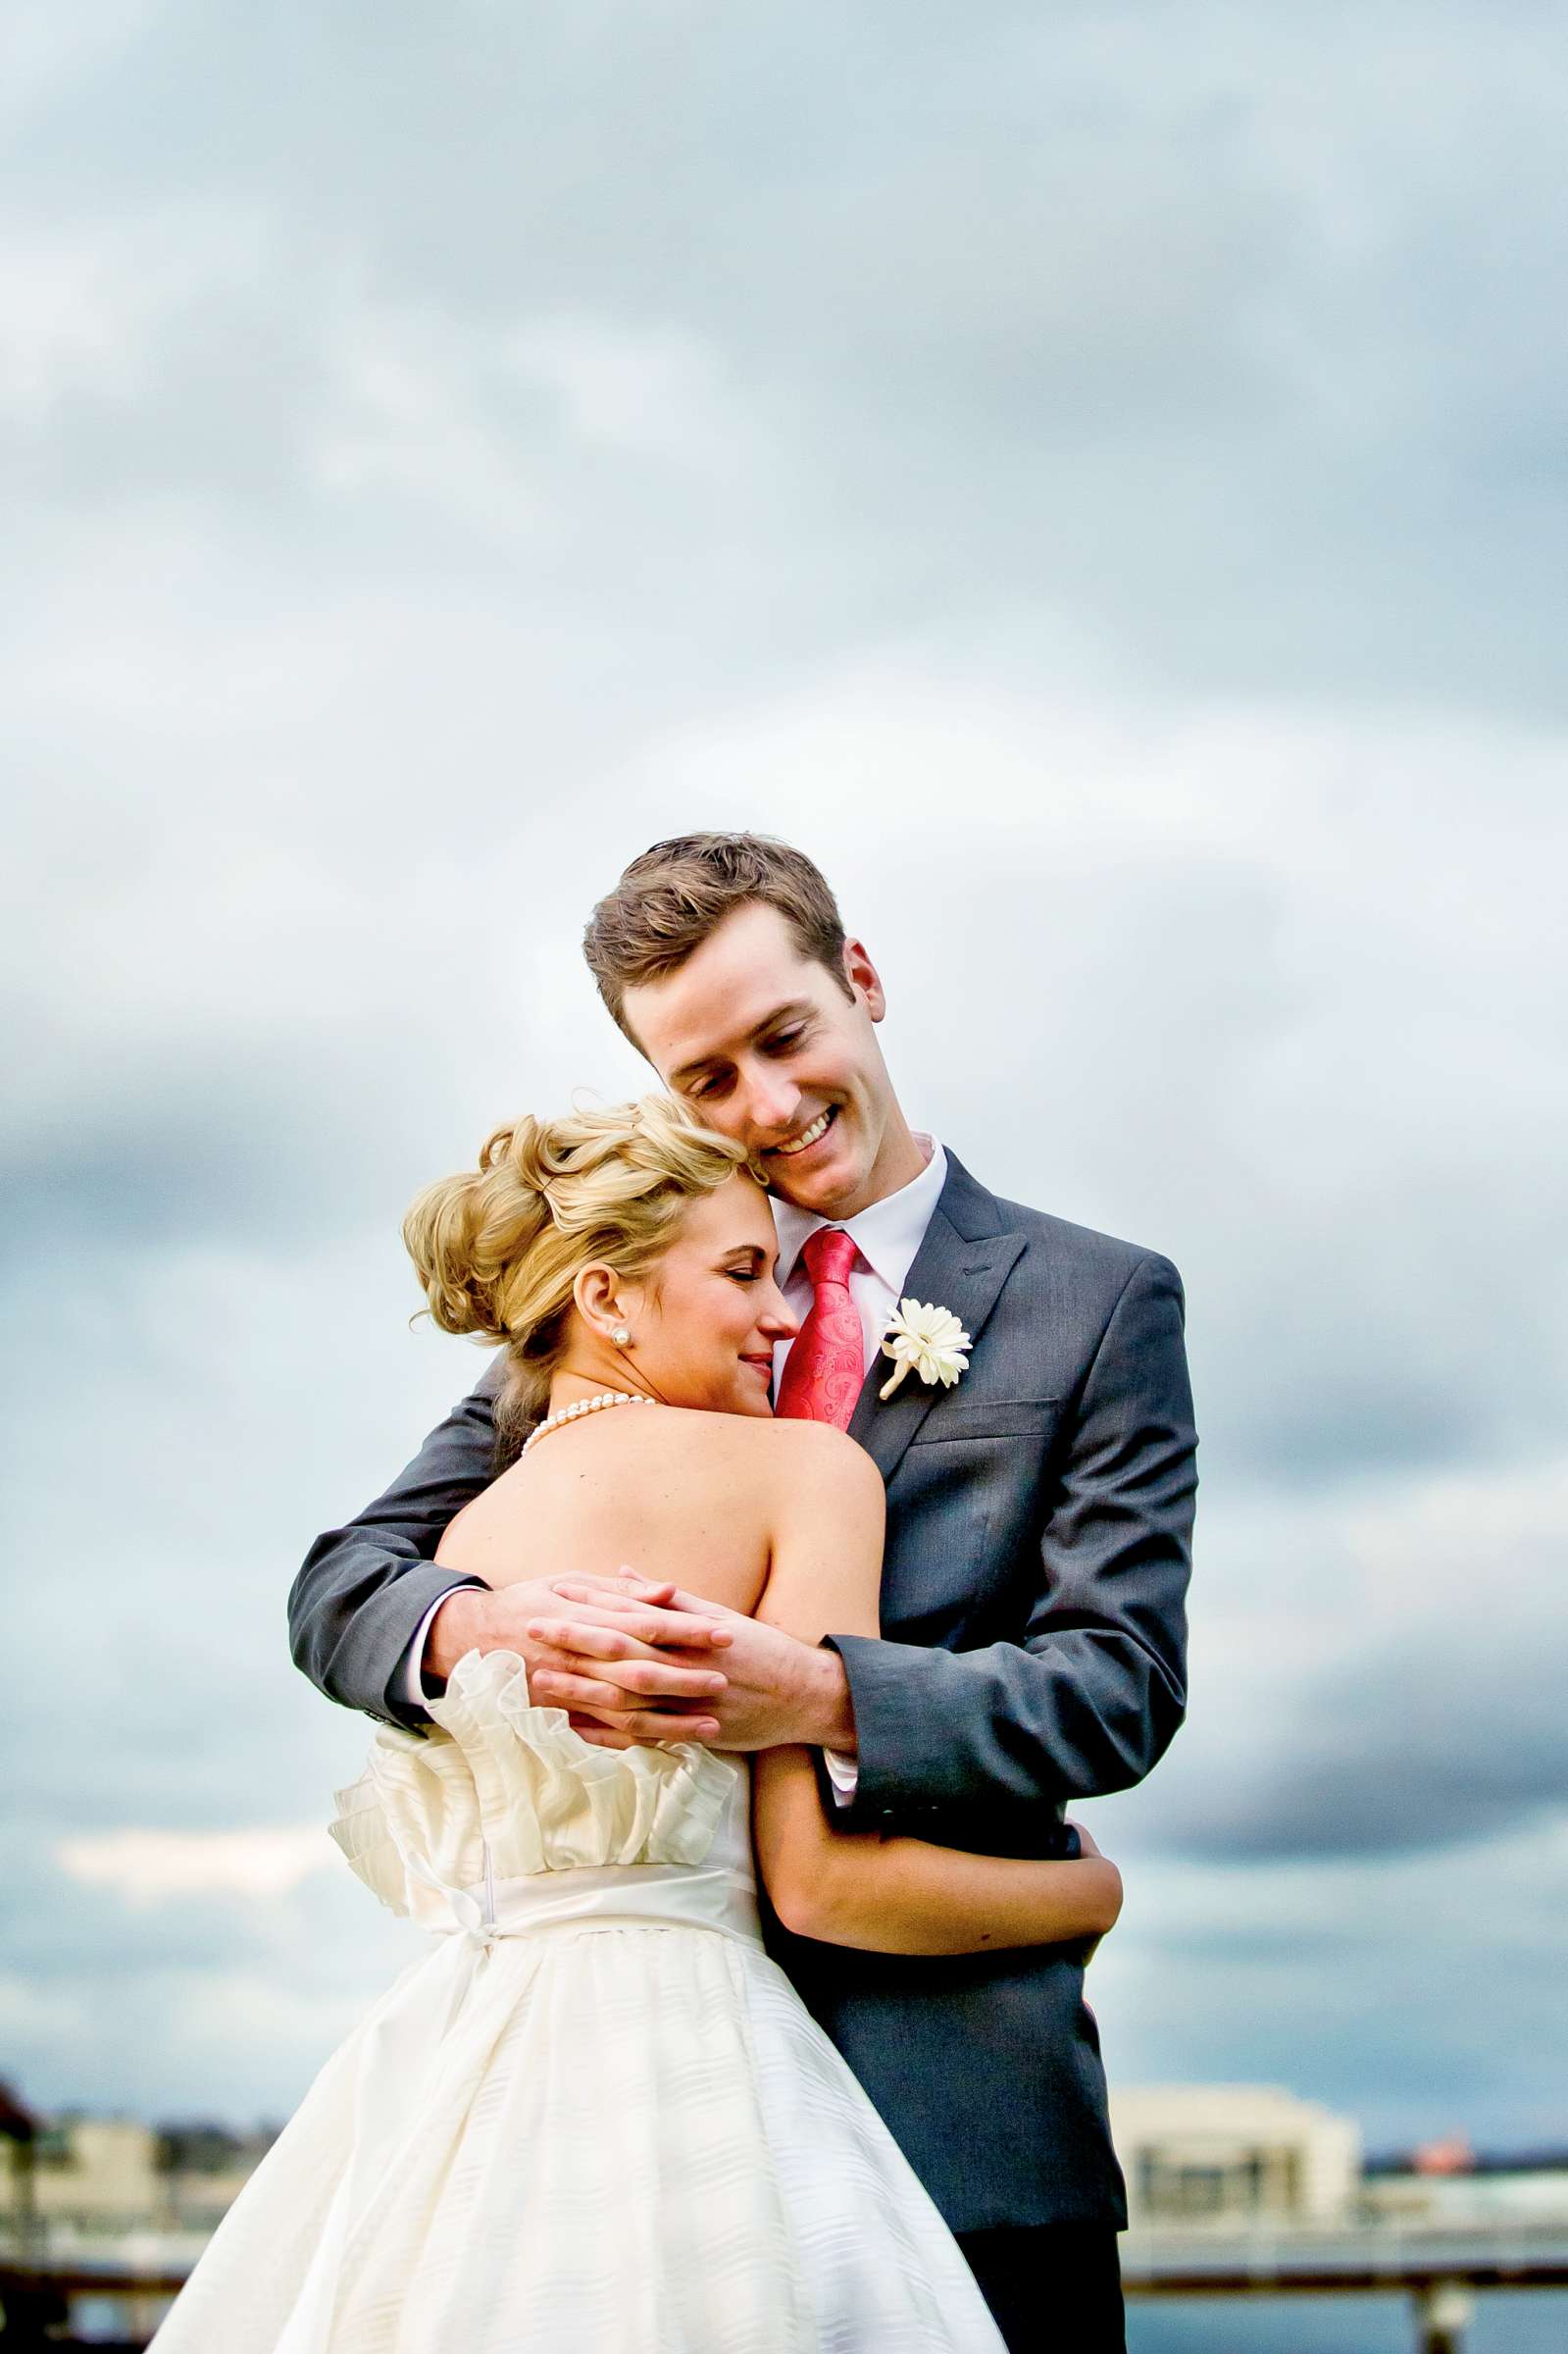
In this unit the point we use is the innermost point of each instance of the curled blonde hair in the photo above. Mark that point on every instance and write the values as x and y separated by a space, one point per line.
498 1248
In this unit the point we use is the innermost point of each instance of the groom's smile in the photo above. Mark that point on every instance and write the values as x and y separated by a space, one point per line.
780 1050
796 1144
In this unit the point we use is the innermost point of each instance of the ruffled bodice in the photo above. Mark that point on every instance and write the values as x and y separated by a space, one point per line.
501 1791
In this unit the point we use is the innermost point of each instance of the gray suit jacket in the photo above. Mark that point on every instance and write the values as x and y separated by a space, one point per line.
1038 1526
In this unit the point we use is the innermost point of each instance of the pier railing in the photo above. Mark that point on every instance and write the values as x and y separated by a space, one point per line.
1440 2268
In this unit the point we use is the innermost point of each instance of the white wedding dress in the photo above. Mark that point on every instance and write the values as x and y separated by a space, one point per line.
596 2118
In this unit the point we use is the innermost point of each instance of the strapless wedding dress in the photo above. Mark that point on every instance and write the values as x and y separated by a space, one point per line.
596 2118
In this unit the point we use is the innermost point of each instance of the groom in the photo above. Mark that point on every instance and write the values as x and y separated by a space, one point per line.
1038 1523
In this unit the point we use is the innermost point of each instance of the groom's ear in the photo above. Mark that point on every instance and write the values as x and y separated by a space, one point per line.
863 980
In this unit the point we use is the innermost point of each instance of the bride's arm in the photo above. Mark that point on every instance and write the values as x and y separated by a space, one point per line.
904 1896
899 1895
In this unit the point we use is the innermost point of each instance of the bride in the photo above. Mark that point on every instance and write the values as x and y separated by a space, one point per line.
596 2116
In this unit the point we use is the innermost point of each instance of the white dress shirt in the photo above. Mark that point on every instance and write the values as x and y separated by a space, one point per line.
887 1237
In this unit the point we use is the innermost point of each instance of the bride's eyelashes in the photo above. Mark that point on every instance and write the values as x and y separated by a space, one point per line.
747 1266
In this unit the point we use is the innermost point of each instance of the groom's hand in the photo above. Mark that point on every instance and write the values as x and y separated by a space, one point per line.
642 1658
777 1691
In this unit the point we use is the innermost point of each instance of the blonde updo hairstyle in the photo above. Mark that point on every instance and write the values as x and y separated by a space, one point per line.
498 1249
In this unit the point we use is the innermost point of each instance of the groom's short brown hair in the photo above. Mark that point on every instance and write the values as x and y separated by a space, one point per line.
669 901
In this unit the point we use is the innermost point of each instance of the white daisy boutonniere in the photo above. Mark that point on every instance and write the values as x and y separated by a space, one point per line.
928 1338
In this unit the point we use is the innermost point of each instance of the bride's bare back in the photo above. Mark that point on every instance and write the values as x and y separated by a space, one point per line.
705 1501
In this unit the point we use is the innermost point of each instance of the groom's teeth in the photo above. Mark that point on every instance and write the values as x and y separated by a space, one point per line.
807 1135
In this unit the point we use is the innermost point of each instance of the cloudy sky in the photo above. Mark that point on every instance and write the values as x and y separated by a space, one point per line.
1094 477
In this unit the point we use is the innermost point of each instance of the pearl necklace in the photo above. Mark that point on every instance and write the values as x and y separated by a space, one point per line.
585 1406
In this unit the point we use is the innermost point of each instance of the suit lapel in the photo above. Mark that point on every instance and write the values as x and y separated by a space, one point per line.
963 1260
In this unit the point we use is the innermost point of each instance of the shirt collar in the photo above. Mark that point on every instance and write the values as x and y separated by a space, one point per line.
886 1233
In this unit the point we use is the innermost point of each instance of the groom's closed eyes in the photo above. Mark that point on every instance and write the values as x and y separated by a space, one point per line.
780 1033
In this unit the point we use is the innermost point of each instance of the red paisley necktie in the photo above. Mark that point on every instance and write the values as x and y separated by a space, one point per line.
827 1362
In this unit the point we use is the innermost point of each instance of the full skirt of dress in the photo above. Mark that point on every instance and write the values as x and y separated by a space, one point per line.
603 2134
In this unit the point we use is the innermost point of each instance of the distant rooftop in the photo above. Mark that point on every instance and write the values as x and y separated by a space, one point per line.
1546 2161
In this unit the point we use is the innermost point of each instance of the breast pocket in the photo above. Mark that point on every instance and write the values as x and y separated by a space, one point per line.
956 1418
961 1509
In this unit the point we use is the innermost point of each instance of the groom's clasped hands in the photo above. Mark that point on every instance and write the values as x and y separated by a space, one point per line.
609 1650
636 1661
774 1689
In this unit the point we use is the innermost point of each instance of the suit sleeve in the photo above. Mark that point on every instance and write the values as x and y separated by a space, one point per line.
966 1748
364 1589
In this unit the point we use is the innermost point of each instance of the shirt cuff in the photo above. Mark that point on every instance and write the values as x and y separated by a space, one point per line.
843 1773
414 1689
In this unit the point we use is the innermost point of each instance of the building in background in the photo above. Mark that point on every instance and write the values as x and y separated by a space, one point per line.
1199 2157
103 2177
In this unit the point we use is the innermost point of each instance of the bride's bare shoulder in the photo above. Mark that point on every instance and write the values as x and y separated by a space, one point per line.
760 1445
790 1457
692 1452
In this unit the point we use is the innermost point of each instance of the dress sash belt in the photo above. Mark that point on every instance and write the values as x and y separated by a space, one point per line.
676 1895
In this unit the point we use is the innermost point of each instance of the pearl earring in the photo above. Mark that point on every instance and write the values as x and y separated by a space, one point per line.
621 1337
